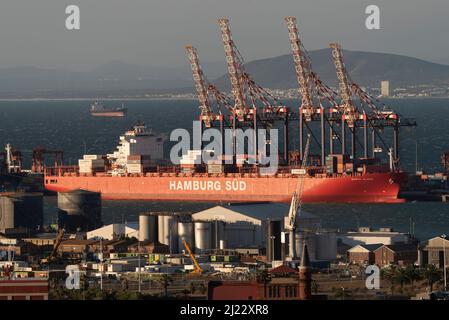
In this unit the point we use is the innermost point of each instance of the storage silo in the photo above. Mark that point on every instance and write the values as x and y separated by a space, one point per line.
203 236
21 210
168 230
185 232
218 234
273 240
308 238
326 246
79 209
148 227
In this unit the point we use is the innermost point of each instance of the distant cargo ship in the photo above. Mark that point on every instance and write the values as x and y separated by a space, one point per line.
97 109
136 171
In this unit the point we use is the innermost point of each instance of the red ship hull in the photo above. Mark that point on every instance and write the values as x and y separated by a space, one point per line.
366 188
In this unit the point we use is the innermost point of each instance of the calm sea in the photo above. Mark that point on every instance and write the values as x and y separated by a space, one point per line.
67 125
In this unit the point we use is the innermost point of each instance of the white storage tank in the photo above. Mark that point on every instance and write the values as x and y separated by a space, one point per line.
185 232
168 230
148 227
203 236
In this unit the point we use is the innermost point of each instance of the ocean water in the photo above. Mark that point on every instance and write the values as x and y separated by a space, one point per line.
67 125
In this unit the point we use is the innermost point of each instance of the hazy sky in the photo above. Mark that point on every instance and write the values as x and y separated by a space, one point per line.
153 32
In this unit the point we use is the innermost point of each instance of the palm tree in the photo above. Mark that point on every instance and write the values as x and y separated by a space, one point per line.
401 276
389 274
192 287
413 274
165 281
432 275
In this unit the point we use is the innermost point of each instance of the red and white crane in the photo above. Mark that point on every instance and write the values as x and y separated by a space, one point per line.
235 69
207 115
302 68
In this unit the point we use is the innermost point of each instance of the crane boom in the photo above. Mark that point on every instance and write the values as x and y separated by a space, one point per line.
235 65
349 109
200 85
302 68
197 266
296 203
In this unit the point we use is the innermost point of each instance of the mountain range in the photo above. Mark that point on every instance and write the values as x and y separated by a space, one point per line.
117 78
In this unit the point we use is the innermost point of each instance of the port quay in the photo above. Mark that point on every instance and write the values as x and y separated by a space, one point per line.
232 197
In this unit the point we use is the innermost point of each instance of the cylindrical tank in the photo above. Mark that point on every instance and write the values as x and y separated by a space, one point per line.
309 239
203 236
21 210
273 240
160 228
168 230
326 246
218 233
79 209
185 232
148 227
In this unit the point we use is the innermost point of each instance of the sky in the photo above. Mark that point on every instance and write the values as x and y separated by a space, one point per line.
154 32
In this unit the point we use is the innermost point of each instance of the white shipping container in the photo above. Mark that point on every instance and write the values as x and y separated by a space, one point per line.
92 157
194 152
299 171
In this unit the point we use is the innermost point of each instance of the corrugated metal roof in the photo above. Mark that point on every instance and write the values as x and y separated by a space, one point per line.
258 211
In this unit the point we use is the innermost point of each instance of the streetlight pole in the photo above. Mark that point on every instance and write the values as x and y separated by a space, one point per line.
444 257
101 265
272 247
139 264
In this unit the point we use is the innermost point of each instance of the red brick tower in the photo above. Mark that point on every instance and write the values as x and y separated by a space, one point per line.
305 276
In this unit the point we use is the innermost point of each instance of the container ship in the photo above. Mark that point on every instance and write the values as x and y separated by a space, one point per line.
137 171
97 109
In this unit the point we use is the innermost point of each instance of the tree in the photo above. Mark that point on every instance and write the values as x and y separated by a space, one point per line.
343 294
432 275
389 274
192 287
263 276
413 274
401 277
165 282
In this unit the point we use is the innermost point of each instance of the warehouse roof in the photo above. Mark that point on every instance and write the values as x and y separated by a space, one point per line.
253 212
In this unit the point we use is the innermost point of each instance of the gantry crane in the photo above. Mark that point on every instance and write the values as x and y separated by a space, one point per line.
307 80
207 115
235 70
349 111
296 203
197 269
302 68
38 162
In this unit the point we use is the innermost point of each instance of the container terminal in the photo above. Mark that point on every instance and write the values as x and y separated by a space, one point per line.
240 250
329 119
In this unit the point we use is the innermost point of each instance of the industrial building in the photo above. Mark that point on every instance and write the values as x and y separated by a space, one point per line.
432 251
21 210
362 254
24 289
254 225
113 231
398 254
366 235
